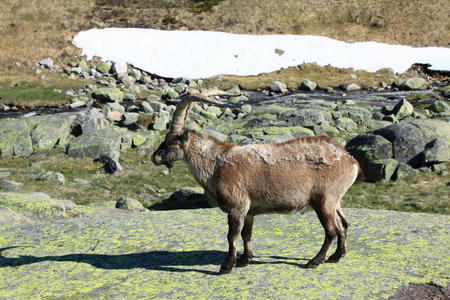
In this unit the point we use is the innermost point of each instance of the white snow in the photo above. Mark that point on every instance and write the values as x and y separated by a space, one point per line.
200 54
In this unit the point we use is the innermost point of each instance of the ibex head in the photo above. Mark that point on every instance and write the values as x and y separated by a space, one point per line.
172 148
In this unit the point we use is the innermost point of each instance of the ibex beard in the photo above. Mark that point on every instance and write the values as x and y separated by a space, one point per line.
249 180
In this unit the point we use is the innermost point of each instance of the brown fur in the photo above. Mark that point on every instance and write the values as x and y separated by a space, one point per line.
272 178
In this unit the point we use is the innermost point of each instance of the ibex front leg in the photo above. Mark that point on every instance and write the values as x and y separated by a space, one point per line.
235 224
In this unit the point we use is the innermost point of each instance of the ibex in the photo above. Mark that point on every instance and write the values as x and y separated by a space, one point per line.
254 179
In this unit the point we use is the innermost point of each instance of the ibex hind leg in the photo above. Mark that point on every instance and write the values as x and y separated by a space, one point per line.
342 236
326 211
246 235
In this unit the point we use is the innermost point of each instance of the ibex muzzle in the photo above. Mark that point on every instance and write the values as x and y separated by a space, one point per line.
264 178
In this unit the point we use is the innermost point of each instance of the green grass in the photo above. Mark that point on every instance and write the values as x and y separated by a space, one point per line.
43 92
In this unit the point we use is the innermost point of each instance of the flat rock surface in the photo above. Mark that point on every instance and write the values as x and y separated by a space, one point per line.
176 254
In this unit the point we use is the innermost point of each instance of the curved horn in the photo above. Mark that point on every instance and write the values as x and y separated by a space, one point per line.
184 107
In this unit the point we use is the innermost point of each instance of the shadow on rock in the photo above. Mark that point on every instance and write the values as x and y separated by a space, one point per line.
154 260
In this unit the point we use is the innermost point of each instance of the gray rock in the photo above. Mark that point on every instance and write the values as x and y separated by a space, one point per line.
238 99
9 185
180 87
346 124
51 130
305 117
64 205
93 120
382 169
136 74
439 107
104 67
146 107
120 68
369 147
308 85
15 138
127 80
115 107
128 203
402 109
77 104
415 83
161 121
51 176
4 174
95 144
157 105
9 217
108 94
408 142
437 151
404 170
47 62
278 87
129 118
359 115
352 87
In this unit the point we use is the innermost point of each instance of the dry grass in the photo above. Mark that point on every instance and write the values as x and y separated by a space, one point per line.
32 30
326 76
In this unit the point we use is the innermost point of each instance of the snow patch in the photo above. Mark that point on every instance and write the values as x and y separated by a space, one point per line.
200 54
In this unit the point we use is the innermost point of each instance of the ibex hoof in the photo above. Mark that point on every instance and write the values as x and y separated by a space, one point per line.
334 258
242 262
312 264
224 270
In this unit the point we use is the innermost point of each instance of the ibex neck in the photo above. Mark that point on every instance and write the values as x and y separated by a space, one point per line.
202 155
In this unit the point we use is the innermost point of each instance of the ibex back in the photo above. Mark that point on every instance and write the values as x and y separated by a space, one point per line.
264 178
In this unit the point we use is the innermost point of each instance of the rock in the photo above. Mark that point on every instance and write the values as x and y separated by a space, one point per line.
136 74
381 169
77 104
161 121
359 115
446 92
115 107
127 80
305 117
104 67
402 109
404 170
235 90
214 110
278 87
296 131
83 65
369 147
138 139
437 151
110 165
346 124
9 217
413 84
439 107
76 70
408 142
157 105
432 129
4 174
352 87
390 118
129 118
15 138
238 99
308 85
128 203
246 108
220 136
120 68
146 107
9 185
326 129
64 205
96 144
93 120
51 176
47 62
108 94
51 130
180 87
